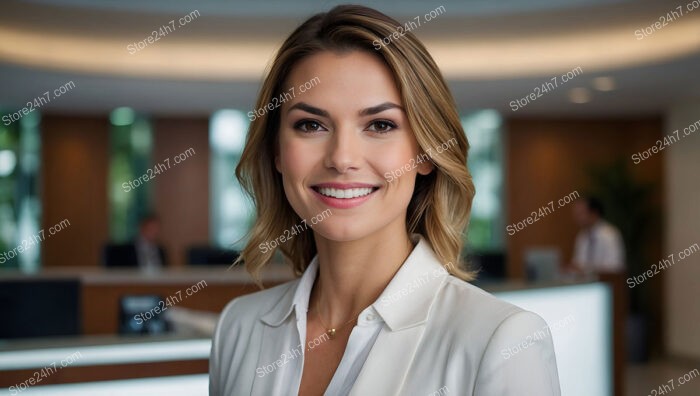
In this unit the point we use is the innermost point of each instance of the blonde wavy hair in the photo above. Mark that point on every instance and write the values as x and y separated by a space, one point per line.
441 203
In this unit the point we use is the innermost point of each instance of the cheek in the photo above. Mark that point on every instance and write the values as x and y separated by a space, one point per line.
295 159
398 164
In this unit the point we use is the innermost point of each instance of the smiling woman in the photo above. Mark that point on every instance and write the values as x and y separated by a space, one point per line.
330 148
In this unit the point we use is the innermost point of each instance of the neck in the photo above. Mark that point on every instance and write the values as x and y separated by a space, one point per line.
353 274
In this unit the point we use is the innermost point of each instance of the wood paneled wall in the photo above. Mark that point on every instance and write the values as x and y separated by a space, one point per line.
182 192
74 164
75 161
548 159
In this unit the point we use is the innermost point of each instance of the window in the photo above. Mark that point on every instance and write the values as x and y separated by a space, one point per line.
232 213
483 129
131 142
20 208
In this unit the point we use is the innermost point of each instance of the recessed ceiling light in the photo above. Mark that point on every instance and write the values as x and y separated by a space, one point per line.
604 83
579 95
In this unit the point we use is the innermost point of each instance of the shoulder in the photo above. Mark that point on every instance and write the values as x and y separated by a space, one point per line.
476 320
250 307
240 319
501 340
237 337
468 304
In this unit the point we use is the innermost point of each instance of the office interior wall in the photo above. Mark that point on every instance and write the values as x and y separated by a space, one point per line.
682 280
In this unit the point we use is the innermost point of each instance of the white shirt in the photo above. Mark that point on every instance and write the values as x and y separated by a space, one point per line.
359 344
437 335
148 255
600 249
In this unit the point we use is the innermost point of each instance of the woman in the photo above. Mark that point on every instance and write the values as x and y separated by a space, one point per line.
357 167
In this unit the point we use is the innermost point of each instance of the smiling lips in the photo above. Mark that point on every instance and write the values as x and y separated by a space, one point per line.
344 196
349 193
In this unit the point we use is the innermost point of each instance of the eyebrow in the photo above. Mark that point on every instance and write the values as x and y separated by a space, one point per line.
364 112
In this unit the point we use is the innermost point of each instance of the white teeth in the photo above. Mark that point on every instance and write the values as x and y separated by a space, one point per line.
345 194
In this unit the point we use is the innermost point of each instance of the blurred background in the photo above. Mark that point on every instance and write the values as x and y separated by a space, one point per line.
122 123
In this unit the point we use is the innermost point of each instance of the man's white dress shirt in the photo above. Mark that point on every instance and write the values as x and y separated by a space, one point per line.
600 248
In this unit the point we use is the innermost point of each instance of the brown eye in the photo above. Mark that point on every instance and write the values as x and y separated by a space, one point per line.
308 126
381 126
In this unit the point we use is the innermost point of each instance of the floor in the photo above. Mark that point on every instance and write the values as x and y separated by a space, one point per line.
649 379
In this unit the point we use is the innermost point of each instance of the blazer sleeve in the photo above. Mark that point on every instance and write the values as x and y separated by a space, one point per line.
215 363
217 368
519 359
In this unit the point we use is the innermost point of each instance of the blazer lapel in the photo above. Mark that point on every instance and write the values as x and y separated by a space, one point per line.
275 352
387 365
405 307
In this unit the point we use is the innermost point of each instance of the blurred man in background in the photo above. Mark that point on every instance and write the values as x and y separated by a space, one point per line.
145 252
599 246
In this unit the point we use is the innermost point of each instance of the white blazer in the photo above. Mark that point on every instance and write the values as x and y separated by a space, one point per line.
441 336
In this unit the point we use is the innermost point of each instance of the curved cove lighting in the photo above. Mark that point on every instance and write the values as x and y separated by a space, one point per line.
458 57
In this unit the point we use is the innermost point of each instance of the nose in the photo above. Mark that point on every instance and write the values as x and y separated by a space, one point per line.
344 150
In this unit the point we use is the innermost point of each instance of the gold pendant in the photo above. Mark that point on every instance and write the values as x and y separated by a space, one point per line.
331 333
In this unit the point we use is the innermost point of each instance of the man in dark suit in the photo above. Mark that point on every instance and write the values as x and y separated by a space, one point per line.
145 252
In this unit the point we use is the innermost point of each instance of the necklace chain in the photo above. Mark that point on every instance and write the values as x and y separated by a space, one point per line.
330 330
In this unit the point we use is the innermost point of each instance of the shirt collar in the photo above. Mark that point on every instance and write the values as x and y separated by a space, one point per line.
405 302
296 298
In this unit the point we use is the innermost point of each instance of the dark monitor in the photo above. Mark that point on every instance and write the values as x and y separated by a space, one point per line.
39 308
143 314
490 265
207 255
123 255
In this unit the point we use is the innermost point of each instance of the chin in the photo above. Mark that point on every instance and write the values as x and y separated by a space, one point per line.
343 232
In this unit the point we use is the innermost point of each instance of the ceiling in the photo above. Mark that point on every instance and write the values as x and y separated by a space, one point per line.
492 53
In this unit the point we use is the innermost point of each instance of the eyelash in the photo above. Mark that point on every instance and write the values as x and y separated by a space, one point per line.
299 124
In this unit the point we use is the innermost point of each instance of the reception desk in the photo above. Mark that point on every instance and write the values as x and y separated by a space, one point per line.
579 314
